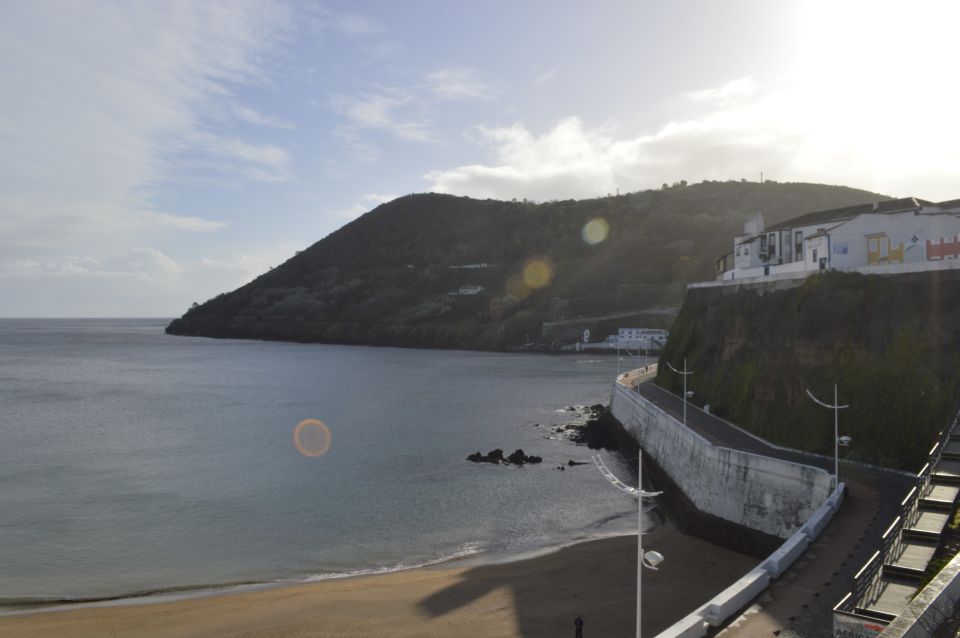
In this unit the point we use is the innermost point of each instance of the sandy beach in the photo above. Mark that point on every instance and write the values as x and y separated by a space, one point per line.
539 596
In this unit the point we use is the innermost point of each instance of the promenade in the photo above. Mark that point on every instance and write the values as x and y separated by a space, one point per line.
800 602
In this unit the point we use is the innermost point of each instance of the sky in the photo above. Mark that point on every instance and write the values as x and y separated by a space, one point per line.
155 154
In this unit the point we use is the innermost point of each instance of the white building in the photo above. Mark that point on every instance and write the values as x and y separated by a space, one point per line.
470 290
649 338
900 231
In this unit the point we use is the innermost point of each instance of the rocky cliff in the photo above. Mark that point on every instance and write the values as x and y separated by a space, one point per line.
890 343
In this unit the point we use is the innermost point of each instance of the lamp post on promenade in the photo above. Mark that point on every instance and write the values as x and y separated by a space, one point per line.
648 559
685 374
837 439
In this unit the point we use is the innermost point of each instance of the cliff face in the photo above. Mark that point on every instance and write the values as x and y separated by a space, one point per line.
892 345
387 277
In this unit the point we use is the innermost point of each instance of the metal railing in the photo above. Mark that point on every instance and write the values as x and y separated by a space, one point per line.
868 581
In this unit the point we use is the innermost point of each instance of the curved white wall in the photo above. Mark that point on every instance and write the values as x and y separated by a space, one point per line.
769 495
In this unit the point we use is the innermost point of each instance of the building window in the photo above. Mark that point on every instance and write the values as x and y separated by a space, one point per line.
813 257
798 244
763 243
772 246
873 244
738 251
884 248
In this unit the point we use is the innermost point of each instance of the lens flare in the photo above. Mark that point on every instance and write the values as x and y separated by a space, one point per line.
312 437
538 272
595 231
517 288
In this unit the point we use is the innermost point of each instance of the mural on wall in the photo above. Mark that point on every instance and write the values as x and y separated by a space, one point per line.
880 250
945 248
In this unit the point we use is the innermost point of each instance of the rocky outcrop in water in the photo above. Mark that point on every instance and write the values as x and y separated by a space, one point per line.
519 457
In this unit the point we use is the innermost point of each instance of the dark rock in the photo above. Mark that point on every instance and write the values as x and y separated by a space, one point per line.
495 456
517 458
571 463
599 432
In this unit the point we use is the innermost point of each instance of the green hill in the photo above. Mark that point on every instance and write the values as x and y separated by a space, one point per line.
386 277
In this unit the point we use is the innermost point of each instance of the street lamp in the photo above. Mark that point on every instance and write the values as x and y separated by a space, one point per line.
837 439
648 559
685 374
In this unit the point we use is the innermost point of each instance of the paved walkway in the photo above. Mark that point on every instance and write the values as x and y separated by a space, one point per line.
800 603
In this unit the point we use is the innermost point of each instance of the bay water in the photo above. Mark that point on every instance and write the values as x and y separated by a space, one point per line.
136 462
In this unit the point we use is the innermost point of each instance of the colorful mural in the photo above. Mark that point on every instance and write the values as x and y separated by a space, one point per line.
943 249
880 250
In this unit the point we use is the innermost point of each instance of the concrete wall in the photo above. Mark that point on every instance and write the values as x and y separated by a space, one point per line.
769 495
738 595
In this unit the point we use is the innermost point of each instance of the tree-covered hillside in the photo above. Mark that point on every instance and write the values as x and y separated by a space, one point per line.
890 343
387 277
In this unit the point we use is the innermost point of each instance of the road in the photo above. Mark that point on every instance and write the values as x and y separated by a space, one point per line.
799 604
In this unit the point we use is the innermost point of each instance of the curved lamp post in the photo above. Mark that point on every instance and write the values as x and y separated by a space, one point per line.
648 559
686 394
837 439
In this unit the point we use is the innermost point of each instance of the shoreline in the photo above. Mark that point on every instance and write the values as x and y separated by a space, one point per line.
479 558
531 596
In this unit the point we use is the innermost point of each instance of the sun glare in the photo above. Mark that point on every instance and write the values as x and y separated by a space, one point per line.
876 78
312 437
595 231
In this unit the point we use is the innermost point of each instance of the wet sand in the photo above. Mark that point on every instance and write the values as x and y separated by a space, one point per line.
538 596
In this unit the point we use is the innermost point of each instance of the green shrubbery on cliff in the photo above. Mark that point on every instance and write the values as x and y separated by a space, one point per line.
889 343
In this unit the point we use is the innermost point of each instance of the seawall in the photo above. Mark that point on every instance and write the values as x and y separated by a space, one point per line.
770 496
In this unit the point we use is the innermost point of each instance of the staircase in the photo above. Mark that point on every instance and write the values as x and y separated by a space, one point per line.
887 583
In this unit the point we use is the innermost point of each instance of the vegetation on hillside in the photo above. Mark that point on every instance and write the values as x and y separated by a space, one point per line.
387 277
889 343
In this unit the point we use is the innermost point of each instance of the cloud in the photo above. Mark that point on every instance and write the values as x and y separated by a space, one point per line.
458 84
146 265
379 112
260 162
547 76
786 129
253 117
105 105
142 282
354 24
379 199
732 91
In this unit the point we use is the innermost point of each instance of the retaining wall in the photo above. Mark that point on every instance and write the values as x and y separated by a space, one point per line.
769 495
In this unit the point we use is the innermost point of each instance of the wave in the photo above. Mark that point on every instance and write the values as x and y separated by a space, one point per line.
31 604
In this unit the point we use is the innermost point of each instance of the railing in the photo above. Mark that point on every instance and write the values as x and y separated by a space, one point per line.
867 581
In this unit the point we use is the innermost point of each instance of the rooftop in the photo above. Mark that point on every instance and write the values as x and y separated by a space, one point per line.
849 212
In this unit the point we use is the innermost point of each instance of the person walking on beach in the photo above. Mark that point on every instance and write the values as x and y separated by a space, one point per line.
578 623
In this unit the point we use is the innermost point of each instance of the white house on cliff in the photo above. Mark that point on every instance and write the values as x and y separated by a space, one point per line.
906 234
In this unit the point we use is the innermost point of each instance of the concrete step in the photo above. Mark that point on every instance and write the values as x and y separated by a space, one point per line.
947 472
941 497
929 525
952 449
912 562
894 596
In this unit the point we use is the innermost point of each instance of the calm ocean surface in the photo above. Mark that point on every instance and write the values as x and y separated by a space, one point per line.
132 461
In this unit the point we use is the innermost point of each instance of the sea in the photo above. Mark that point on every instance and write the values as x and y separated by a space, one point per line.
135 463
